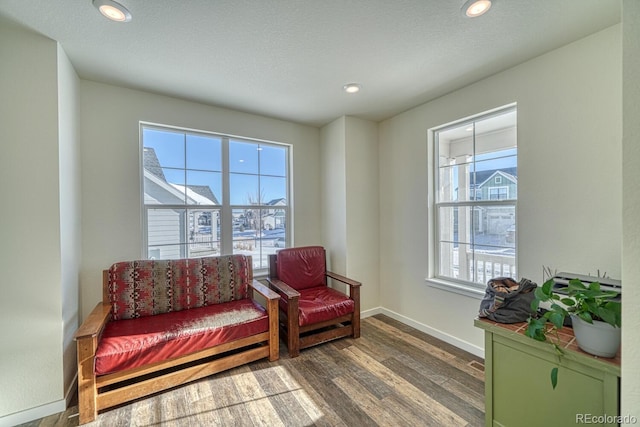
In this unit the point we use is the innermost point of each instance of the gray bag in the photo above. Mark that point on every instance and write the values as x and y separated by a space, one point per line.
507 301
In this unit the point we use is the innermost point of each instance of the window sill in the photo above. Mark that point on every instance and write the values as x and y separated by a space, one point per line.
455 287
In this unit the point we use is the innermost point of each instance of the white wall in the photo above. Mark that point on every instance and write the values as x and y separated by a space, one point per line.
111 193
334 194
70 213
569 178
30 243
350 203
362 202
631 208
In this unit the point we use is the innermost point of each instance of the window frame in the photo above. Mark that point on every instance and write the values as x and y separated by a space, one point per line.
225 208
434 278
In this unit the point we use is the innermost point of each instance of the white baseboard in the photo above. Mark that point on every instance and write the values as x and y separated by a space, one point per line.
68 395
33 413
43 410
464 345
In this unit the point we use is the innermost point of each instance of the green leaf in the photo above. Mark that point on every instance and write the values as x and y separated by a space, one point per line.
539 294
547 288
576 285
535 303
607 316
535 329
554 377
557 319
586 317
568 301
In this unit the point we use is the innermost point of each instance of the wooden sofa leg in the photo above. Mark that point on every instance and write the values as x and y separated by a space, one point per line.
355 324
86 381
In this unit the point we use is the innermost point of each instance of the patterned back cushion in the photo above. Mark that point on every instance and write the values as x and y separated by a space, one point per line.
147 287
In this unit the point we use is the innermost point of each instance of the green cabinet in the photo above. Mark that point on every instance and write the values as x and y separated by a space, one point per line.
518 388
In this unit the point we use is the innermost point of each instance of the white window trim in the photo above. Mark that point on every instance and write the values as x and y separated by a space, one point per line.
469 289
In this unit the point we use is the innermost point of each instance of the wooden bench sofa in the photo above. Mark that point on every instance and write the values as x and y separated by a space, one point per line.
165 323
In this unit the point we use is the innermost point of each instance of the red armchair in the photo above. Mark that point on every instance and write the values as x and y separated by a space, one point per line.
311 311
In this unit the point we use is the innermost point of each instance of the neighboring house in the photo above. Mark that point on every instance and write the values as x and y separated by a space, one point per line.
274 218
494 185
170 226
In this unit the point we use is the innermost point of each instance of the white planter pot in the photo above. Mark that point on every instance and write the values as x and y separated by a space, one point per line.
600 338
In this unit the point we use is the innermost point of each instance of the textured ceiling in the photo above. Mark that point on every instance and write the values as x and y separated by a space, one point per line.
290 58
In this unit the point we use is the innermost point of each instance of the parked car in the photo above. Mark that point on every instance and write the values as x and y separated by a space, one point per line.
280 242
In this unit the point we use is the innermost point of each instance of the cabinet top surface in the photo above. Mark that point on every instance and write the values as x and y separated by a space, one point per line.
567 339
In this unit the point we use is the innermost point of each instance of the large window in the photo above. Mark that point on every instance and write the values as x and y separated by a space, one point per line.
207 194
476 181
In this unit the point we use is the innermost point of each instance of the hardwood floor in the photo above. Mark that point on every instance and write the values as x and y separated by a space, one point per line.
393 375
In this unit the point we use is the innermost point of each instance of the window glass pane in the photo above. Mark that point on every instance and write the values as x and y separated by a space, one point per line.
497 179
456 261
455 145
166 232
496 133
454 224
457 183
495 227
159 191
204 232
204 153
274 189
203 188
164 148
243 157
259 232
244 190
273 160
246 230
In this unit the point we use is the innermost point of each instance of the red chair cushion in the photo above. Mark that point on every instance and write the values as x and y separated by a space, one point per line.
131 343
321 303
302 268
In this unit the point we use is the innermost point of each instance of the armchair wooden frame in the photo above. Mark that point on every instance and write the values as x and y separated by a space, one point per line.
100 392
299 337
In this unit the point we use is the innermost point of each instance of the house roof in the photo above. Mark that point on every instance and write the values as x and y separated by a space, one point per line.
151 163
280 201
199 194
482 177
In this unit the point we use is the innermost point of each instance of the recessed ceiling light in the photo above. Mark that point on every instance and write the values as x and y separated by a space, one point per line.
113 10
474 8
352 88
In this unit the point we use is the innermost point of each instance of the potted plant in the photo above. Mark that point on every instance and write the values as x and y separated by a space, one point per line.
595 316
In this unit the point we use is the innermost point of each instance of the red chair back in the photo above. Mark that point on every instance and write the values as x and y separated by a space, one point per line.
302 268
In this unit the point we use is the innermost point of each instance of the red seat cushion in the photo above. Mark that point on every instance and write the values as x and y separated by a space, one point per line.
131 343
321 303
302 267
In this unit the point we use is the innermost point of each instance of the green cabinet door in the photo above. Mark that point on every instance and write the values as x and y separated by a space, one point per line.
518 391
523 396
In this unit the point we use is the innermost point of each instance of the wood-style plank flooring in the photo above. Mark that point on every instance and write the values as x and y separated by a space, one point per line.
394 375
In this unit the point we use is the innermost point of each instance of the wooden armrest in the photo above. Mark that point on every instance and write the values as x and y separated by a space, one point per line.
264 290
338 277
283 288
95 322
